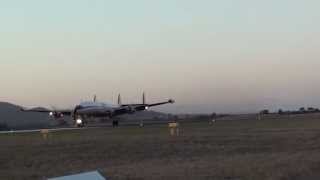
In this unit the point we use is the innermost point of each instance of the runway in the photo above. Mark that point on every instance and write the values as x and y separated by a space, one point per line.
97 126
39 130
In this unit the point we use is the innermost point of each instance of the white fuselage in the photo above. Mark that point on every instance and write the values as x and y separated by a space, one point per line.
91 108
98 104
94 109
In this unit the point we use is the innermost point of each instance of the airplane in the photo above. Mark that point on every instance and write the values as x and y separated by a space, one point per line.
98 109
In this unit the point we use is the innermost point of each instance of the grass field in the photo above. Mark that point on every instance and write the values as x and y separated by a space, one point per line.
229 150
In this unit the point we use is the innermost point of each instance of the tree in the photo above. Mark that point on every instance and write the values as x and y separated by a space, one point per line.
280 111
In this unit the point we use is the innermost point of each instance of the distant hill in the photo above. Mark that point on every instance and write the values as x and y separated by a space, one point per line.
12 117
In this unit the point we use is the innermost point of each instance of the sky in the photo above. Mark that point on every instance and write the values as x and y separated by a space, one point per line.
227 56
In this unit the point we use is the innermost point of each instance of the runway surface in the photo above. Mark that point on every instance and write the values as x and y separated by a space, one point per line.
147 123
39 130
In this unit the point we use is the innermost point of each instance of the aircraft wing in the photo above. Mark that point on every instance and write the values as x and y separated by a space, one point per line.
131 108
170 101
44 110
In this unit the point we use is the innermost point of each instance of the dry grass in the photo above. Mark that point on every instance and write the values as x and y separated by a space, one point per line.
229 150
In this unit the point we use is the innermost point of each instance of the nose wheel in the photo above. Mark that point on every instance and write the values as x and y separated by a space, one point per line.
79 122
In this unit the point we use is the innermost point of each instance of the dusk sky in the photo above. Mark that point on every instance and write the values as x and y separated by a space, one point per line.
227 56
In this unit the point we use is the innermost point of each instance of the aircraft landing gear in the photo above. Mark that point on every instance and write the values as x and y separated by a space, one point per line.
80 125
115 123
79 122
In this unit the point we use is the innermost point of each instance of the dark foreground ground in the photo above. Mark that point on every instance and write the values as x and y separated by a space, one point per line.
229 150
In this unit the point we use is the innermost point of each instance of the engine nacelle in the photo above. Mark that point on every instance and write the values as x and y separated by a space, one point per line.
56 115
171 101
131 109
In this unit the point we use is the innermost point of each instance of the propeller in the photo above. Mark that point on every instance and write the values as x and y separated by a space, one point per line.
143 98
119 100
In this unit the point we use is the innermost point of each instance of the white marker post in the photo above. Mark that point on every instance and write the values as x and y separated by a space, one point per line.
174 129
45 133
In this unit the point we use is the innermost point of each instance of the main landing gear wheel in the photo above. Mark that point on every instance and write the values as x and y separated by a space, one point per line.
115 123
